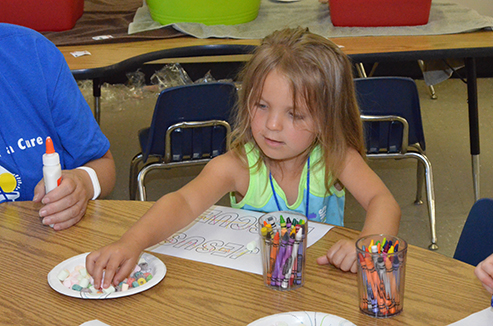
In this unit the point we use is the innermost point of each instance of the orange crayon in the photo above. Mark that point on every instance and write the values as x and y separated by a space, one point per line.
375 285
393 285
273 254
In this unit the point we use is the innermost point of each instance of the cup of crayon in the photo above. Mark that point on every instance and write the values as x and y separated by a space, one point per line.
381 274
283 249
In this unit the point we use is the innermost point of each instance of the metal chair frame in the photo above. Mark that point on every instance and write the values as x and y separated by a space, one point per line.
198 114
138 183
406 151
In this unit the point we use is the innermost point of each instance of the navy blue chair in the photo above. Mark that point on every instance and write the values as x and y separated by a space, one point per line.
476 239
391 116
190 125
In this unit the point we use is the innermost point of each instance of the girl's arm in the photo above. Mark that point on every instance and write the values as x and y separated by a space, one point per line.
168 215
382 211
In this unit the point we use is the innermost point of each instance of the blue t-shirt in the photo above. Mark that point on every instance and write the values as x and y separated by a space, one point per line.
39 98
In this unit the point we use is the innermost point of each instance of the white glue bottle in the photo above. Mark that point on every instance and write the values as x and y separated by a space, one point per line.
52 170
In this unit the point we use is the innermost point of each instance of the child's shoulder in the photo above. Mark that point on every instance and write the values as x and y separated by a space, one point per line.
229 161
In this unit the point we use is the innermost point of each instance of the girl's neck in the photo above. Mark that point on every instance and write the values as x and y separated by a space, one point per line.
291 168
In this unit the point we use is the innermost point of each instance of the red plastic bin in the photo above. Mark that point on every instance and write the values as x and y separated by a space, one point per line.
42 15
377 13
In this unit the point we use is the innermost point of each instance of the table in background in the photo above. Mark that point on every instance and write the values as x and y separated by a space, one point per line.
439 290
106 59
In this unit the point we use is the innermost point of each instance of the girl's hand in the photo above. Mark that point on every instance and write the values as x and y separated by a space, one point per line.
66 204
342 255
484 272
117 261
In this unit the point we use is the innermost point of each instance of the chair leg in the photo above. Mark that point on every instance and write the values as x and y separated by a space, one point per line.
430 195
361 70
433 95
420 176
134 169
142 195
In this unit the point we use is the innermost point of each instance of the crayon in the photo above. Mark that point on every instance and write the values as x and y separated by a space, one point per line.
370 285
286 260
393 286
377 291
273 254
366 301
384 283
276 273
272 221
282 222
299 258
289 277
288 223
268 244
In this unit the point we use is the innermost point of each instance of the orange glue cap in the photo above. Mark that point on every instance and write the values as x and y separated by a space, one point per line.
50 149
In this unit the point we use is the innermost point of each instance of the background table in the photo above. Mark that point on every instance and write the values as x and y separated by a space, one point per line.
439 290
108 59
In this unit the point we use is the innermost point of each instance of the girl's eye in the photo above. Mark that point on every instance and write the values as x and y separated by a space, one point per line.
296 116
261 106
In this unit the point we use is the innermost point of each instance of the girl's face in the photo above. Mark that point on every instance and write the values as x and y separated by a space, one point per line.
281 133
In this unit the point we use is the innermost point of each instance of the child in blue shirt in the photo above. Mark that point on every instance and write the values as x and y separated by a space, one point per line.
39 98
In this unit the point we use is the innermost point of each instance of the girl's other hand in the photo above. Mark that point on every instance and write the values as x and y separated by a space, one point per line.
342 255
116 261
484 272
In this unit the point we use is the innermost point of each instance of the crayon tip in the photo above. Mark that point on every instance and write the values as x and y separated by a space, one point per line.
295 222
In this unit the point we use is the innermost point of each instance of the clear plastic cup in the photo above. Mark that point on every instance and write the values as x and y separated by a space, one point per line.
381 274
283 249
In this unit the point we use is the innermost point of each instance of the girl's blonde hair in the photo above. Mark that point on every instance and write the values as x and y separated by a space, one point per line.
321 79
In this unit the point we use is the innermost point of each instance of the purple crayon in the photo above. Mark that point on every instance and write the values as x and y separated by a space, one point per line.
278 265
286 261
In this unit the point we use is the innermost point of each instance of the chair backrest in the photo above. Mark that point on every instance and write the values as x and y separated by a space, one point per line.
398 96
191 103
476 239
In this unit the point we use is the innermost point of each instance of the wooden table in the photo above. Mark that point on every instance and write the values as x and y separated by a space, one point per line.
109 59
439 290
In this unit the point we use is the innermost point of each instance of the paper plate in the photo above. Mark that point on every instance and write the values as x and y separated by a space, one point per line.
155 264
300 318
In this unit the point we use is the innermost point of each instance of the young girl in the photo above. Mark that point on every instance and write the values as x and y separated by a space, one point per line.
297 144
